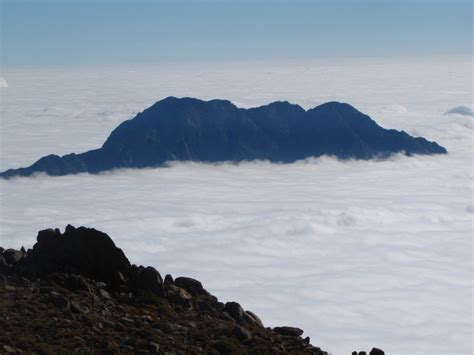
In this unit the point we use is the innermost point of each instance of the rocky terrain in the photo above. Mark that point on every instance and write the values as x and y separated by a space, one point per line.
76 292
188 129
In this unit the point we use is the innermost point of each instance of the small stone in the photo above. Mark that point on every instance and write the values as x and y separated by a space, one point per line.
125 321
60 302
153 347
290 331
104 294
175 327
9 349
79 308
147 318
77 283
119 326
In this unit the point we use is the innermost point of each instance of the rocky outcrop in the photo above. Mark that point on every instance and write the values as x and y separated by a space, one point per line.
82 251
374 351
188 129
76 292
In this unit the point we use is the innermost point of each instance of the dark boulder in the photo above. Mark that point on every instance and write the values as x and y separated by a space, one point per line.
235 311
290 331
12 256
376 351
83 251
150 279
242 333
169 280
194 287
76 283
253 318
60 301
79 308
226 347
179 295
3 262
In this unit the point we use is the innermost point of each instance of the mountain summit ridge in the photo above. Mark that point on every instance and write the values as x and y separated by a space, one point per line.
190 129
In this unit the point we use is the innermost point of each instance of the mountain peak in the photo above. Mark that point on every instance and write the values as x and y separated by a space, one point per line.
190 129
335 105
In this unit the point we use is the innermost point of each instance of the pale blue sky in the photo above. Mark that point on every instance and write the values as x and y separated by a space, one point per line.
46 32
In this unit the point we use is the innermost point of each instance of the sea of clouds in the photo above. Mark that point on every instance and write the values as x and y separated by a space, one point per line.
358 253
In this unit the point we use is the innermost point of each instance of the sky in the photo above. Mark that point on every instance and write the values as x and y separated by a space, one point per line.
91 32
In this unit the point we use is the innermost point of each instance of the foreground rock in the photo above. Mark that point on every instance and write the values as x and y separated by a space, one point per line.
76 292
188 129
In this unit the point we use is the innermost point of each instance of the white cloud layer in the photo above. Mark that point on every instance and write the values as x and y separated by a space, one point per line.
358 254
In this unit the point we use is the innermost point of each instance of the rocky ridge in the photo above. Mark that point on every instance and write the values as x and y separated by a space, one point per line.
76 292
188 129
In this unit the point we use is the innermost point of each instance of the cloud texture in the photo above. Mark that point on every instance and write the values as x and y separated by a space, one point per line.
358 254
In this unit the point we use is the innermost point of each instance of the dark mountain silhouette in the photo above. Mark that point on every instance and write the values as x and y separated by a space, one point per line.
212 131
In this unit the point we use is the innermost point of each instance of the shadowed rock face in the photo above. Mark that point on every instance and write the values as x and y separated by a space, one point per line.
187 129
83 251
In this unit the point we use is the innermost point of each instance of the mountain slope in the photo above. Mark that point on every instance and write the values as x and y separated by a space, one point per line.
188 129
76 292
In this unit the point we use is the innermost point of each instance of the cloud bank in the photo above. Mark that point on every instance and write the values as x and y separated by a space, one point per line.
358 253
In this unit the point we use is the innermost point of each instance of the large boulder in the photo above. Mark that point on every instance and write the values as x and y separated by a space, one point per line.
12 256
290 331
376 351
179 295
253 318
150 279
194 287
3 262
235 311
84 251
